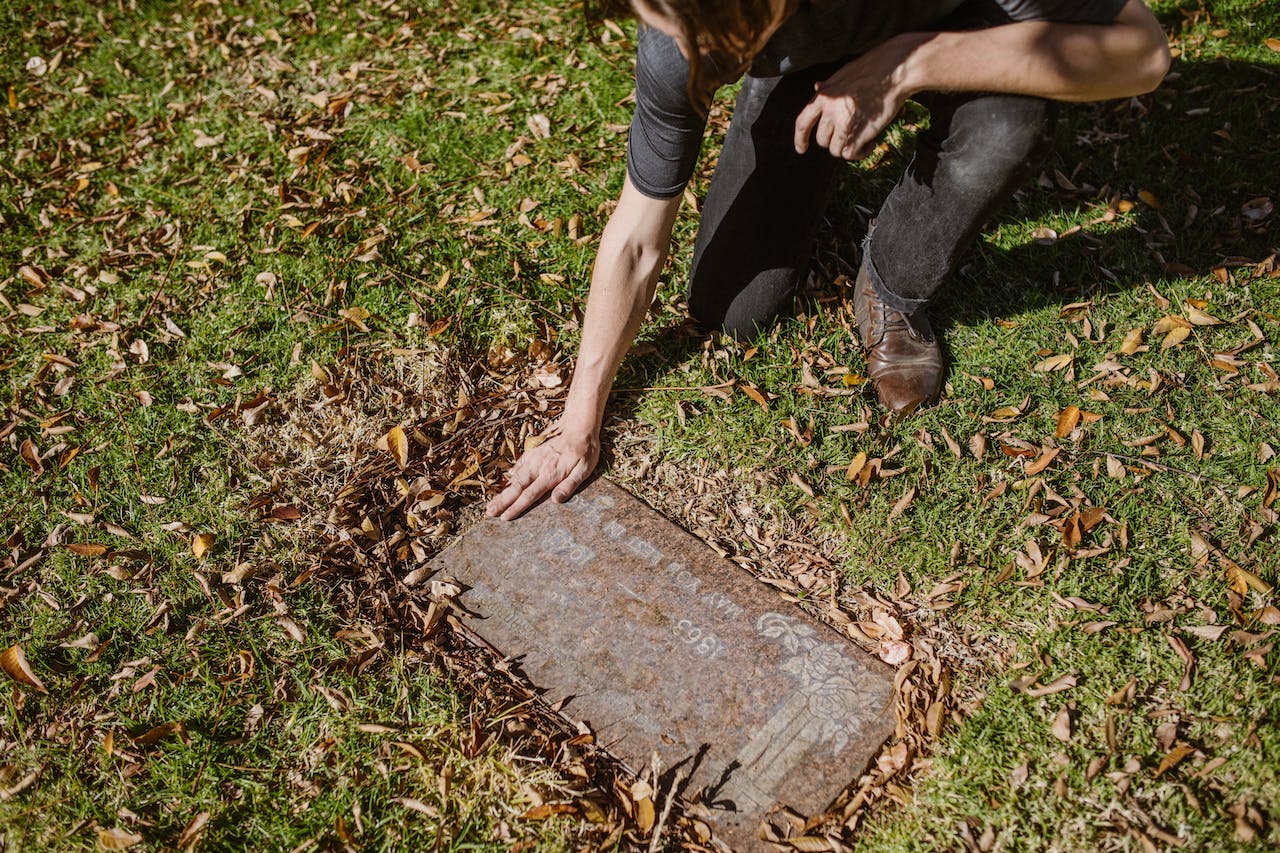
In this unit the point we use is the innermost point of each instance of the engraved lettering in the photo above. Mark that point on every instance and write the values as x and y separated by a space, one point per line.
645 550
722 604
704 643
560 543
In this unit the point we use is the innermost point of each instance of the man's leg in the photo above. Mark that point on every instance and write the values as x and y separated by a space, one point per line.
977 150
762 210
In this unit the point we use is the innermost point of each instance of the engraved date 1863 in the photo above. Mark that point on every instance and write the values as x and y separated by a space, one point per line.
705 643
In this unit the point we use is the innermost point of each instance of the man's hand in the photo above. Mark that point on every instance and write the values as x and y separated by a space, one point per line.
559 465
1064 62
852 106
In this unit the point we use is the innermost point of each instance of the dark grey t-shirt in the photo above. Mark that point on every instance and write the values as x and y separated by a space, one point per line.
666 131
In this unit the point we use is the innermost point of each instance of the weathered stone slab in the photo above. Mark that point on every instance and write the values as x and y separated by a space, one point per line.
660 644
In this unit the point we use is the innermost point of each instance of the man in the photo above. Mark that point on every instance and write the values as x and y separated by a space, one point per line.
825 78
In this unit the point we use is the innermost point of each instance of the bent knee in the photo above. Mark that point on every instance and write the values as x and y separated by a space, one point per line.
745 310
1016 127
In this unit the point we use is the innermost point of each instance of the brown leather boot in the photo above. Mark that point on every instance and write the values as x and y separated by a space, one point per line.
904 360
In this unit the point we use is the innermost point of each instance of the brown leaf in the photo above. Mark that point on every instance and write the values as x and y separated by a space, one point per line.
1005 413
856 466
164 731
903 502
1175 337
1241 579
1173 758
1272 489
1054 362
1200 550
754 393
1068 419
1168 323
1043 462
547 810
1125 694
1132 340
1188 662
86 549
1199 318
287 512
13 660
201 543
1058 685
1206 632
396 443
117 839
31 455
645 816
810 844
1062 724
191 834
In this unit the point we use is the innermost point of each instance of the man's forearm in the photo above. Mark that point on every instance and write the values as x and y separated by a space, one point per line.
1066 62
632 251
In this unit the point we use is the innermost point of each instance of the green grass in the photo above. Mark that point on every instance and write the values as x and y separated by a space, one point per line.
233 261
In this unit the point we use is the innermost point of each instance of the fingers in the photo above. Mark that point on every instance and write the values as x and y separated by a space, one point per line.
805 123
529 496
517 479
537 473
570 484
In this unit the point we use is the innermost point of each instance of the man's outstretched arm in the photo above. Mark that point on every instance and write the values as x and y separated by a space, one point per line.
633 249
1064 62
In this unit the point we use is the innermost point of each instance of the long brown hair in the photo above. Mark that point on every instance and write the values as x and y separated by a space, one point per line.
717 35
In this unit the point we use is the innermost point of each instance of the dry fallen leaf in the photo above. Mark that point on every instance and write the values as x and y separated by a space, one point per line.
1173 758
1272 490
31 455
191 834
1053 362
642 794
1175 337
1068 419
903 502
1200 318
1062 724
14 661
117 839
201 543
1043 462
86 549
1065 682
754 394
547 810
1132 341
396 443
1188 662
856 466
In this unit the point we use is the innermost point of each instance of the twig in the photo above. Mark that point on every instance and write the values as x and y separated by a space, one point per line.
1160 466
164 280
666 811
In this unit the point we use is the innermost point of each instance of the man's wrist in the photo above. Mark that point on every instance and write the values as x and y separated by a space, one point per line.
910 54
580 426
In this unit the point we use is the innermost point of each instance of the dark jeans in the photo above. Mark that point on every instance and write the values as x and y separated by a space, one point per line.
765 202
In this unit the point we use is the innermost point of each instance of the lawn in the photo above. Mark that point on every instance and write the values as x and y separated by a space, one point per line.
283 290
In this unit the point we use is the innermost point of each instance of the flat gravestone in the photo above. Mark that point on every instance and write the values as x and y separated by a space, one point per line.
659 644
